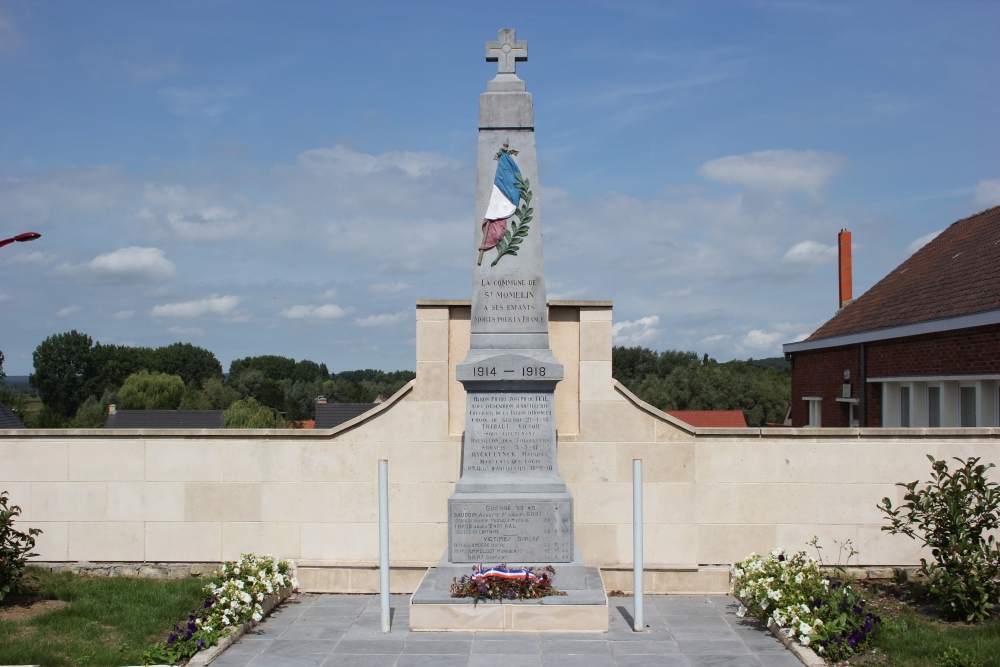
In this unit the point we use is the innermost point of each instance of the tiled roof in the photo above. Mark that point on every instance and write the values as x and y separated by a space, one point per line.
165 419
710 418
8 419
329 415
957 273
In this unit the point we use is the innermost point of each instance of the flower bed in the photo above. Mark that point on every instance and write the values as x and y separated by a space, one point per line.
239 598
791 591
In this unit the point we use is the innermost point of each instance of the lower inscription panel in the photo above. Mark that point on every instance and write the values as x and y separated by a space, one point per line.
514 532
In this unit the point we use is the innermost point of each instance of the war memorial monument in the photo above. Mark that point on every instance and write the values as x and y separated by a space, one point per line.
510 506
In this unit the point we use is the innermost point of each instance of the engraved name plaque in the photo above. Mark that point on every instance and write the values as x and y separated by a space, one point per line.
511 531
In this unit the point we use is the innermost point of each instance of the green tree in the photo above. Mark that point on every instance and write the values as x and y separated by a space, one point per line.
193 364
151 391
91 414
272 366
63 371
112 364
213 396
248 413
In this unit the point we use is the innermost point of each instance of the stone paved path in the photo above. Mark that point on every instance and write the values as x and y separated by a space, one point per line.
343 631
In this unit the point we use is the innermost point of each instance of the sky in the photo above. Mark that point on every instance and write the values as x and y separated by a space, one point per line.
290 177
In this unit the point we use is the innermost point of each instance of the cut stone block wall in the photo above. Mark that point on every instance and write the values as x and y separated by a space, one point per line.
711 495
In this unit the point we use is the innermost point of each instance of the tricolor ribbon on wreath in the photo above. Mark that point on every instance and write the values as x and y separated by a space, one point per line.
503 573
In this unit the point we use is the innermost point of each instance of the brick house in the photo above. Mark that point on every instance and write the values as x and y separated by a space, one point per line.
919 349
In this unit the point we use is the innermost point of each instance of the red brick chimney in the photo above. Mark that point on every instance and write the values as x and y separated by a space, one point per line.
844 257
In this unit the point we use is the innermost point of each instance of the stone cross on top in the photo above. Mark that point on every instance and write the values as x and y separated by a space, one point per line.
506 52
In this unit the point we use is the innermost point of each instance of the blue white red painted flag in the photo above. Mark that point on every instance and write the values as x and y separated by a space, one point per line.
503 201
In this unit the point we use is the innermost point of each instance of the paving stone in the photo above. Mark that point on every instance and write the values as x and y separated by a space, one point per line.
369 646
441 647
669 660
716 647
643 648
432 660
574 647
509 660
505 647
349 660
299 647
723 661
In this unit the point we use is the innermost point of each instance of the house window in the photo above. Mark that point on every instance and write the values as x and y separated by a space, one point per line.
967 406
933 406
815 410
904 406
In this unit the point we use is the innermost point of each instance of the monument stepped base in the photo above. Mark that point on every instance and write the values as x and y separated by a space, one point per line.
432 609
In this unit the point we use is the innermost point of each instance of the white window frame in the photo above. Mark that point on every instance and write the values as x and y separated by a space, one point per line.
815 411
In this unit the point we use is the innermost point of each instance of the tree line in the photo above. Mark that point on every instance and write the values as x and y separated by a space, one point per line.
675 380
77 379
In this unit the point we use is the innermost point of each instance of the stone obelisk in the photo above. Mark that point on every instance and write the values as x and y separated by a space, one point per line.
510 505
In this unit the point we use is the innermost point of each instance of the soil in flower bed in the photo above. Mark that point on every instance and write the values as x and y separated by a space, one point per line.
915 633
69 620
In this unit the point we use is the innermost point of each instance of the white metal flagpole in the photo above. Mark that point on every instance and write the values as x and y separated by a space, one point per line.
383 540
637 621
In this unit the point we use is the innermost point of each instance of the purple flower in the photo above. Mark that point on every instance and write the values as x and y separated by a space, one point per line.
192 627
201 643
172 638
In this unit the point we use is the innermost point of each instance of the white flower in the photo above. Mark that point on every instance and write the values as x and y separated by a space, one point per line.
799 577
257 617
804 639
805 629
225 620
742 611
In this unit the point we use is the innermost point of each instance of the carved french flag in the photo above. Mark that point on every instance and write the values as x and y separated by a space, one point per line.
503 201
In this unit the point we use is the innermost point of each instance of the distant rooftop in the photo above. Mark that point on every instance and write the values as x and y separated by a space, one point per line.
330 415
8 419
165 419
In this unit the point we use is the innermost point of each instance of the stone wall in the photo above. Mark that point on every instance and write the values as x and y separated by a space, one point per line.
711 495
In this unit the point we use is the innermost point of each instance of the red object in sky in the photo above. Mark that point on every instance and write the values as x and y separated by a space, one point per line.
21 238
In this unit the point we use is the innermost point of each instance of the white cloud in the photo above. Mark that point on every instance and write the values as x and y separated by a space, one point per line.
384 320
123 314
339 160
191 215
67 311
124 266
389 288
215 304
329 311
768 341
810 252
189 332
922 241
30 258
776 171
987 193
637 332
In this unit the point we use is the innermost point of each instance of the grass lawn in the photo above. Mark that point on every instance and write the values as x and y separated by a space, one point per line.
914 634
98 621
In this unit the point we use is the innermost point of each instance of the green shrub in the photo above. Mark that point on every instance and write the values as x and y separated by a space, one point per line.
15 549
248 413
952 514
